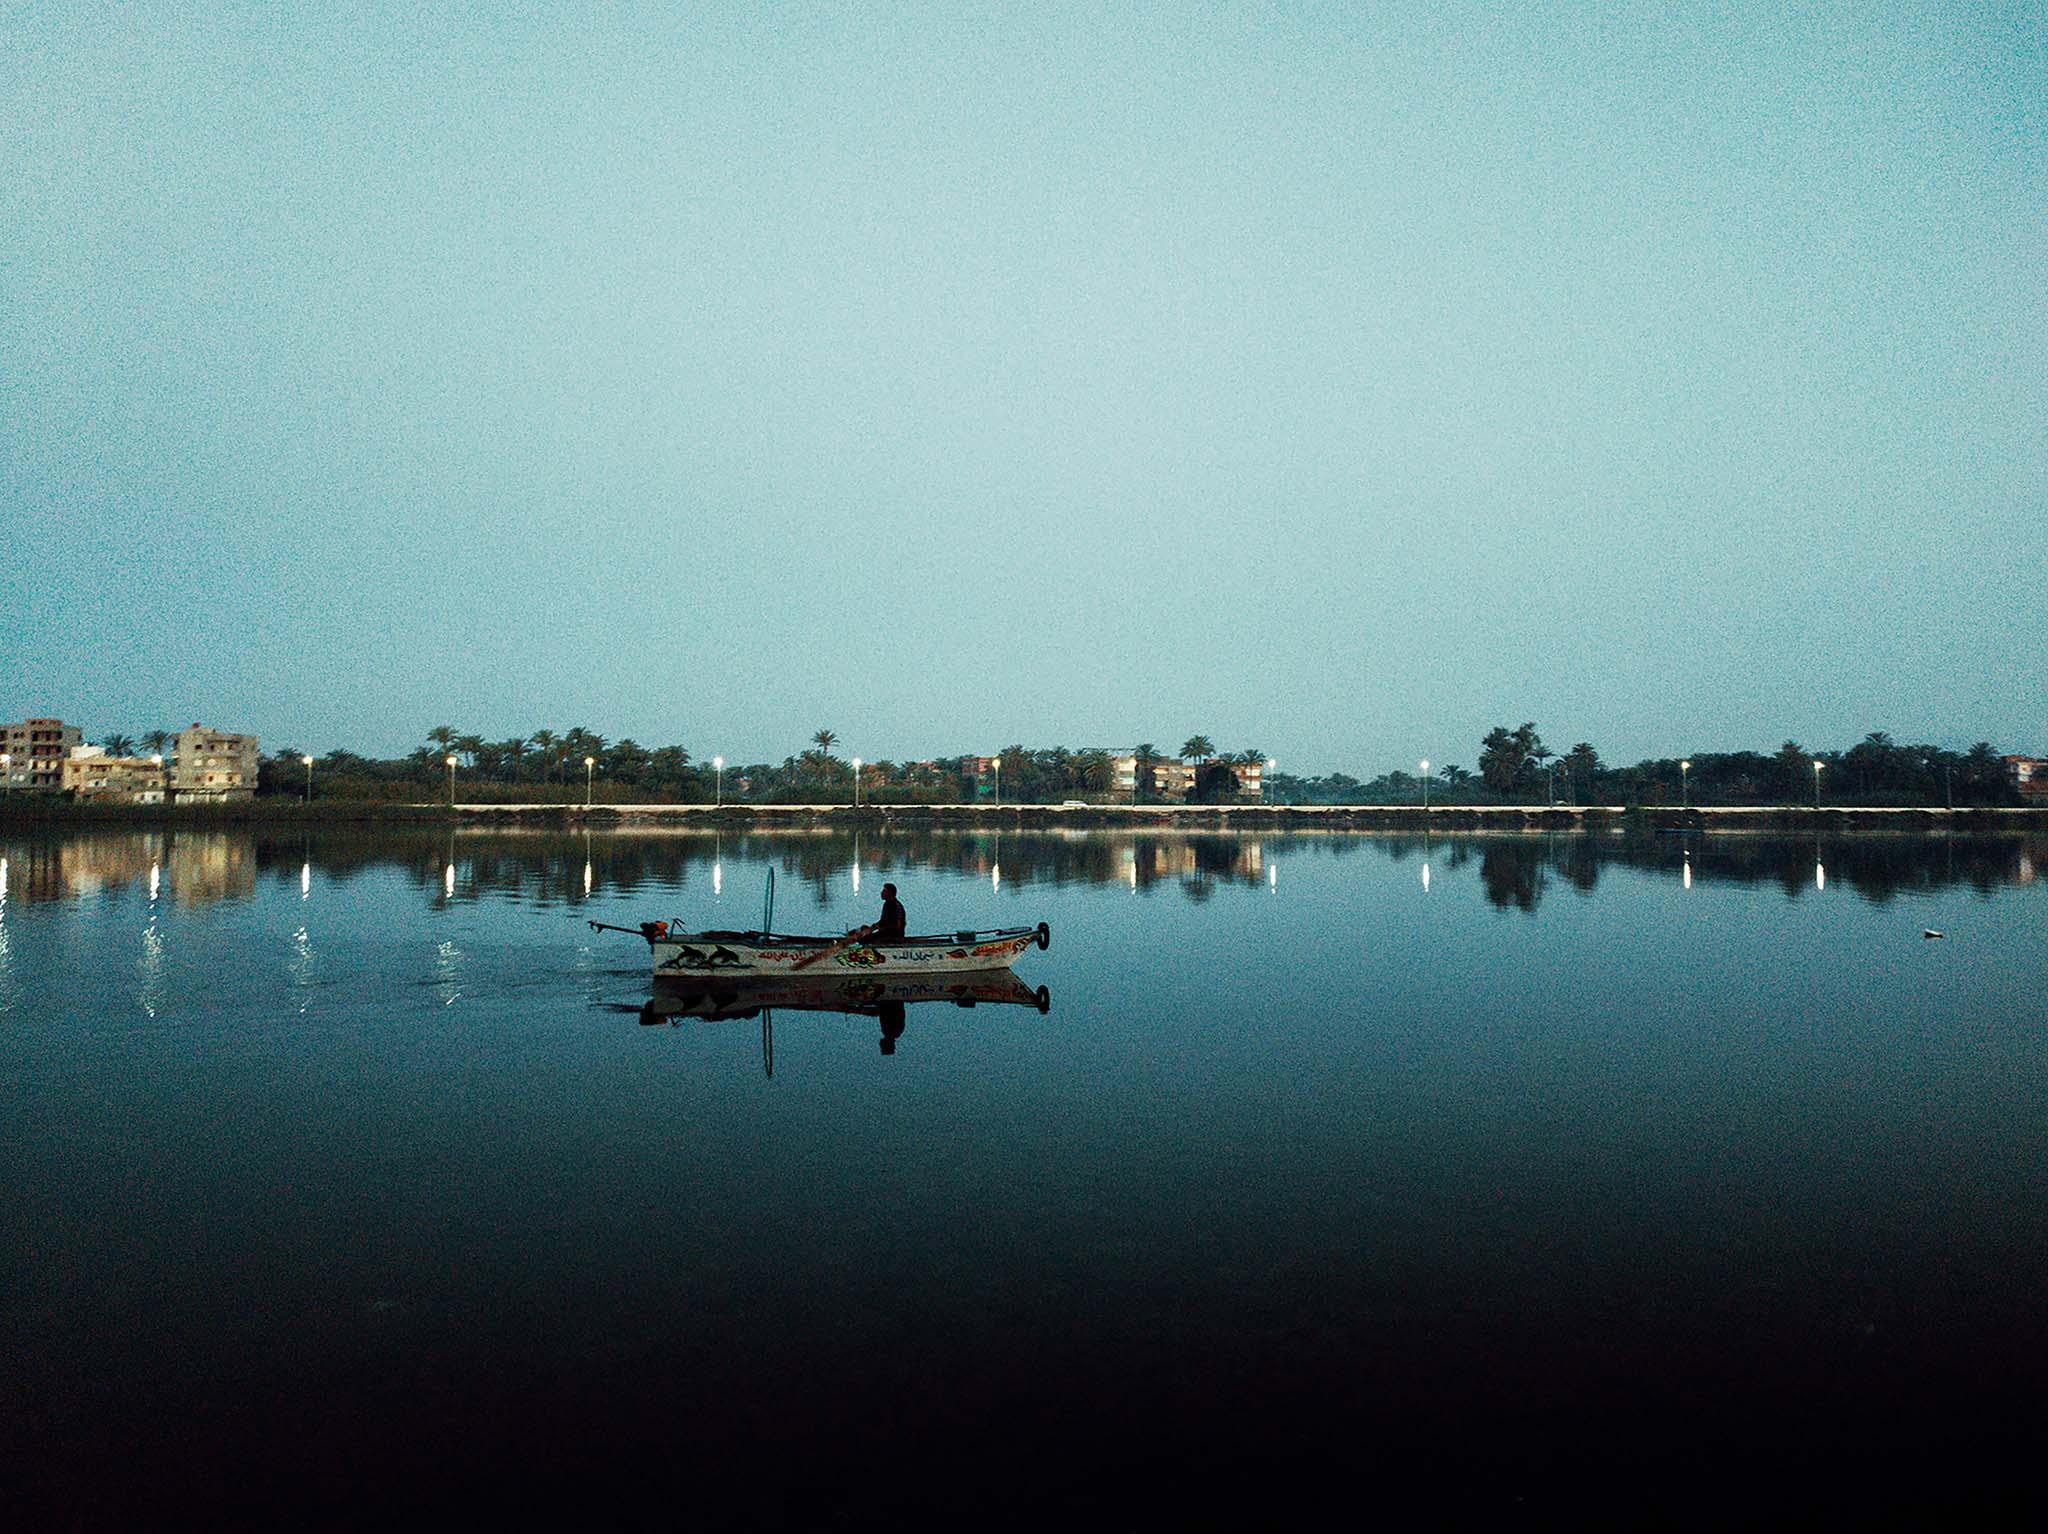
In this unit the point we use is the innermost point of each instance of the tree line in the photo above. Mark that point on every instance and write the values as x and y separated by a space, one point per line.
1516 767
1513 766
565 765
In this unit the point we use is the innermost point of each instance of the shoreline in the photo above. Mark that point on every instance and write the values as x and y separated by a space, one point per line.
1170 817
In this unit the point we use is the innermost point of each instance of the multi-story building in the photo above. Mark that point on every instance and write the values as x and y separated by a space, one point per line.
2028 774
89 773
34 752
212 765
1176 780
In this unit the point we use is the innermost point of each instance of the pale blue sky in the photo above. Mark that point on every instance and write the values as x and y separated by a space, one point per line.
1336 379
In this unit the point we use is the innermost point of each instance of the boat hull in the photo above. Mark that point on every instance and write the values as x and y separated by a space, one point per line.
702 955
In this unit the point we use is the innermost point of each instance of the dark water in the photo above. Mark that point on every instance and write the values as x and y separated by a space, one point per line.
1513 1177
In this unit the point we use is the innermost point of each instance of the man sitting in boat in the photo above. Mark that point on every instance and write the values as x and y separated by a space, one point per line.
890 928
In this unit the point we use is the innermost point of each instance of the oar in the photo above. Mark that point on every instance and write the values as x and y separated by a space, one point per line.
855 936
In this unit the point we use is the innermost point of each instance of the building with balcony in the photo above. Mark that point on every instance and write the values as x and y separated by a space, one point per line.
212 766
1176 780
35 750
89 773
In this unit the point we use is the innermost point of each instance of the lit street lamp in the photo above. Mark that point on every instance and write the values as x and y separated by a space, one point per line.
1425 782
309 777
856 782
451 782
717 781
589 778
1817 765
999 780
1684 792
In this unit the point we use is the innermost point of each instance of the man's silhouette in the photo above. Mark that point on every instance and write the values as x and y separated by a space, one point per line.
891 926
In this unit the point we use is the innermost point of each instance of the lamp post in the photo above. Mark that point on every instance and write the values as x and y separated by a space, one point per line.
1684 791
589 778
309 778
1817 765
1948 778
1425 782
856 782
717 781
451 782
999 780
1269 787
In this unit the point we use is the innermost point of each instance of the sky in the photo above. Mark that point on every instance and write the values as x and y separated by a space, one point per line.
1334 380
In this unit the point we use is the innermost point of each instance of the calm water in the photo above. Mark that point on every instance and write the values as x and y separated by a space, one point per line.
1513 1174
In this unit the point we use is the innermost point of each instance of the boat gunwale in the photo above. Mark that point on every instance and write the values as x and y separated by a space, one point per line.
762 940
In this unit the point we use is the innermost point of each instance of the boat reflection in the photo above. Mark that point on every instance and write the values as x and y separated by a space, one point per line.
886 1000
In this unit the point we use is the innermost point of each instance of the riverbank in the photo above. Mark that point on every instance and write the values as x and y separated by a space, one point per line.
25 812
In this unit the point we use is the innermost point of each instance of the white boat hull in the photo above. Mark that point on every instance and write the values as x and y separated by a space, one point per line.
706 955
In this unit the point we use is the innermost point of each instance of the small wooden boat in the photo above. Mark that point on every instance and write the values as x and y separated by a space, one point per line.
699 954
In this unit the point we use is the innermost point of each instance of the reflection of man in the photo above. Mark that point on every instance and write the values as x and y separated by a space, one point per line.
890 928
891 1014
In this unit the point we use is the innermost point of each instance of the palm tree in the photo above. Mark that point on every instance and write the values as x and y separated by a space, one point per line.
158 741
1200 747
442 735
118 745
825 740
1092 770
469 747
545 743
1141 767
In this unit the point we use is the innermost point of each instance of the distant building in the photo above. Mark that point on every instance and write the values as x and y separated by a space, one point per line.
2028 774
212 766
1176 780
35 750
980 771
89 773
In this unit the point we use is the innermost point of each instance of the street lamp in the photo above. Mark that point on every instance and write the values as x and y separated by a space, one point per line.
1684 792
1817 765
999 780
717 781
1425 782
856 782
589 778
1270 787
309 777
451 782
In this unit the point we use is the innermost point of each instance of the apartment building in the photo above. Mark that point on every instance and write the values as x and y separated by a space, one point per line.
89 773
1176 780
32 754
212 766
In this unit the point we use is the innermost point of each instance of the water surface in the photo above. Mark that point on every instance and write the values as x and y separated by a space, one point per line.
1516 1173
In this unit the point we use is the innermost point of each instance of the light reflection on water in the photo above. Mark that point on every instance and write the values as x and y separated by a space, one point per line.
1471 1130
